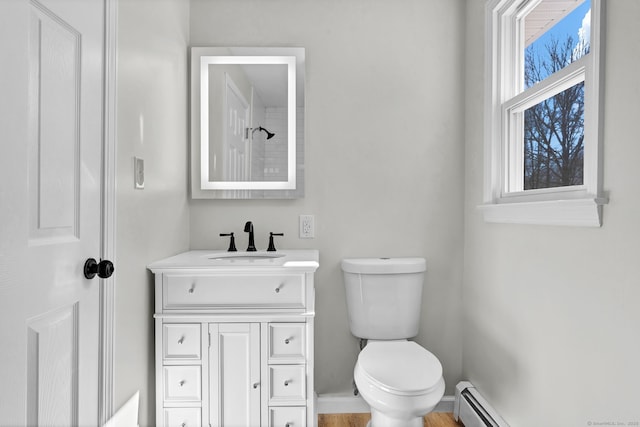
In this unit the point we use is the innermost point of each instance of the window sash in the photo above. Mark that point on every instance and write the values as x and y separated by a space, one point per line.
513 124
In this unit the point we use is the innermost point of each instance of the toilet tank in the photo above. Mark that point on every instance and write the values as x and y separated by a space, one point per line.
384 296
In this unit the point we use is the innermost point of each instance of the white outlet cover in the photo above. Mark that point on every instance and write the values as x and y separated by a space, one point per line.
307 227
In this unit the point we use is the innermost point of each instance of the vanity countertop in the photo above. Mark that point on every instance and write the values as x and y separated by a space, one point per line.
306 260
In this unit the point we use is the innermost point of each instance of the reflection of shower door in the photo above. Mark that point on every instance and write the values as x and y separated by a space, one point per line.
237 154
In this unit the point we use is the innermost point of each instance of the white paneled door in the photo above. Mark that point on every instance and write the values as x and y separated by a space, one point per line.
236 142
51 131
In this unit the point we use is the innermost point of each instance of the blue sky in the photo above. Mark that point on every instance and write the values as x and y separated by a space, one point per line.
577 25
571 25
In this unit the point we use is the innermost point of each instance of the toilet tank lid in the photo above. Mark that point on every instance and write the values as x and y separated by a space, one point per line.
384 265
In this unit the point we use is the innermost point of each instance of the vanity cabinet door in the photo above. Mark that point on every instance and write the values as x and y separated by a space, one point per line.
234 374
287 343
294 416
182 383
182 417
207 292
181 341
287 384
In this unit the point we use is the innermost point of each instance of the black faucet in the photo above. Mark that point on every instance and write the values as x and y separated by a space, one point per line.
272 247
232 241
248 228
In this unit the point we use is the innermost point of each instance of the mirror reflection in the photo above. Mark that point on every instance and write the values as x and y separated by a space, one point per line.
250 122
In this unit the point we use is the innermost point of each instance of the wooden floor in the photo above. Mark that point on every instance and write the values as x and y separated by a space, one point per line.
434 419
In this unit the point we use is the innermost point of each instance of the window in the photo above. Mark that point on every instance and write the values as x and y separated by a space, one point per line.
542 139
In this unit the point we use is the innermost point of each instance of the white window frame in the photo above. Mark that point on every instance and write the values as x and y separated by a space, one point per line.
504 198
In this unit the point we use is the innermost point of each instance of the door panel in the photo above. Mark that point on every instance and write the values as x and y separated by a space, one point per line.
54 83
236 142
234 364
51 124
52 366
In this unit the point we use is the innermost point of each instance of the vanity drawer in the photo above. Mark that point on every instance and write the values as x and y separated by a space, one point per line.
287 383
287 342
233 291
288 416
182 417
182 383
181 341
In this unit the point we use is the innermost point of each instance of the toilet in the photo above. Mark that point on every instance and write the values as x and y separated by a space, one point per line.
400 380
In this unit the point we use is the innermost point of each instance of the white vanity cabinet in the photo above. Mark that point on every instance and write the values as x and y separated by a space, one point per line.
234 339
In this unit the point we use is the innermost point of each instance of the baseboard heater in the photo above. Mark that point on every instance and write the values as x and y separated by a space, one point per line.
472 410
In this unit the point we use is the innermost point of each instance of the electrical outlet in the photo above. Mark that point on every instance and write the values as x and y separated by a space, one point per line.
307 227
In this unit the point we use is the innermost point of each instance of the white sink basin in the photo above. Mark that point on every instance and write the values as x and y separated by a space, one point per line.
244 256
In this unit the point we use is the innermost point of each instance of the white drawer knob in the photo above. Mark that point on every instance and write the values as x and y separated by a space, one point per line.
287 382
288 340
255 385
181 340
181 383
183 425
279 287
288 424
192 288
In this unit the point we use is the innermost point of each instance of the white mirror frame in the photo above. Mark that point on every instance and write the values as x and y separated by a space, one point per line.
291 184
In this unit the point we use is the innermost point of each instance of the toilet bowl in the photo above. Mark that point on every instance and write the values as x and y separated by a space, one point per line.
400 380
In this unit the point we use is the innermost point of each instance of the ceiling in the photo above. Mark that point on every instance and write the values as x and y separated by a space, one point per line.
545 15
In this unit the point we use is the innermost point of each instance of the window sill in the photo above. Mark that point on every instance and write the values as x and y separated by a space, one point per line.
585 212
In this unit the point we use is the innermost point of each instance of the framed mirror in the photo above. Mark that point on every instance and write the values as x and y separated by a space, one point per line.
247 122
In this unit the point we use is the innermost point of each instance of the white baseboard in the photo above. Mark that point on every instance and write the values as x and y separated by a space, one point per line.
341 404
345 404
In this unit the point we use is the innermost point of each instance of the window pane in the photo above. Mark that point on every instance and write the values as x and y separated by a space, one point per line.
557 32
553 141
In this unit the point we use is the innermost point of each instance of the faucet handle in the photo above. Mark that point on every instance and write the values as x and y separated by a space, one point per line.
232 241
272 247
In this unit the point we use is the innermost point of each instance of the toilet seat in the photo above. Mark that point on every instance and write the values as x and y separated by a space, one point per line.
400 367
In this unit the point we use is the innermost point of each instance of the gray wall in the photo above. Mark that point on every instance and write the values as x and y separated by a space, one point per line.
551 314
394 168
384 153
152 223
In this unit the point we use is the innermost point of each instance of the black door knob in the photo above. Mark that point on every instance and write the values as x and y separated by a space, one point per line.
104 269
